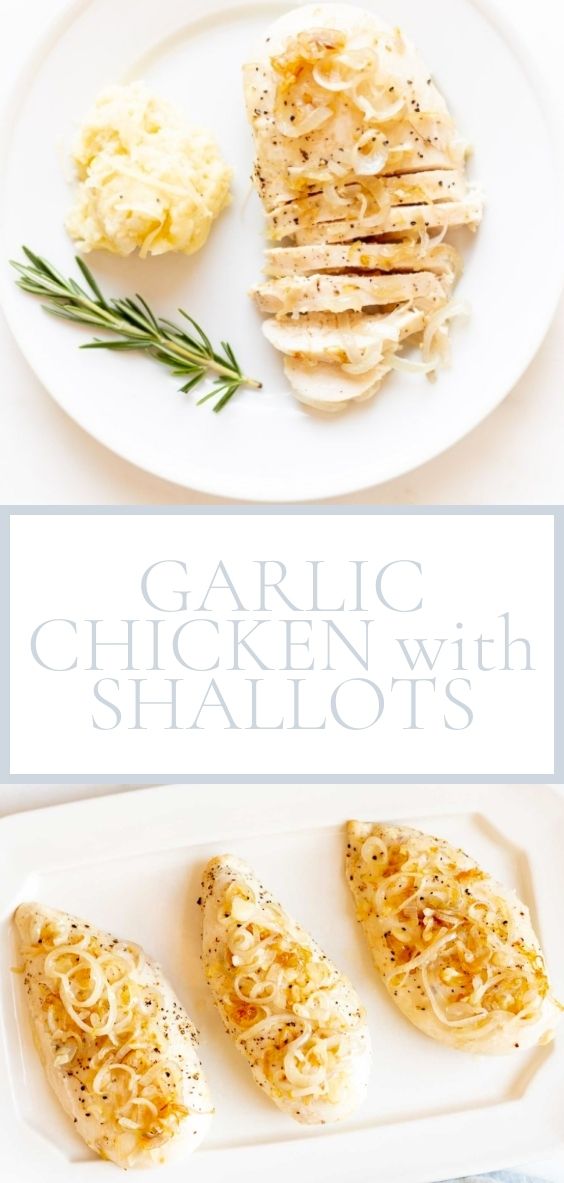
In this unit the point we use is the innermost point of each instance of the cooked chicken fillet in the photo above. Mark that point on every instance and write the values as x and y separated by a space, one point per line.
361 172
347 293
455 949
117 1046
294 1017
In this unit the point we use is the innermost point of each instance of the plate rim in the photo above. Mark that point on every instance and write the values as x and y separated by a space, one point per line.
240 488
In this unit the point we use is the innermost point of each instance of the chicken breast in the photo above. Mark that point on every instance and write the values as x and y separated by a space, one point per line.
358 164
348 293
294 1017
456 950
117 1046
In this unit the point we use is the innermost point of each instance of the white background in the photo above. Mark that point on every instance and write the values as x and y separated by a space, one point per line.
515 456
475 568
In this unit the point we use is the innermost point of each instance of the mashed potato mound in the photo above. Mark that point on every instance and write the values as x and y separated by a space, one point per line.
148 181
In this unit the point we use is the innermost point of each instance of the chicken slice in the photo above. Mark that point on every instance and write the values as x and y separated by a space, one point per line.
400 220
325 387
407 255
293 1015
348 293
118 1048
371 199
332 361
348 338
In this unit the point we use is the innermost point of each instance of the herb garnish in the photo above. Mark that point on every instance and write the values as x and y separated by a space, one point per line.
187 353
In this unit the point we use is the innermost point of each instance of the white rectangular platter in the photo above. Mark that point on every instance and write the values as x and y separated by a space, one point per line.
132 864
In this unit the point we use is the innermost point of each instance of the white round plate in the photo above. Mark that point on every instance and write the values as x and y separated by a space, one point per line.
264 446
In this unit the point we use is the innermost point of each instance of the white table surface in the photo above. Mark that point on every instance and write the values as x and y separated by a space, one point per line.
514 457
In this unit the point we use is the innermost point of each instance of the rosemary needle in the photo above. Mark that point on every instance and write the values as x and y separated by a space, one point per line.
187 352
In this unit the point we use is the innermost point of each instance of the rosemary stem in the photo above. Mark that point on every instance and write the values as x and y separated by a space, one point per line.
187 354
167 345
132 321
224 371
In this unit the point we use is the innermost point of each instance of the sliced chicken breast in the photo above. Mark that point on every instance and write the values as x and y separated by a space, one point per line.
117 1046
358 160
455 949
347 293
292 1014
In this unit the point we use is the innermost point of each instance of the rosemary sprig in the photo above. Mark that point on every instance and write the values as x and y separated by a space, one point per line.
188 353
